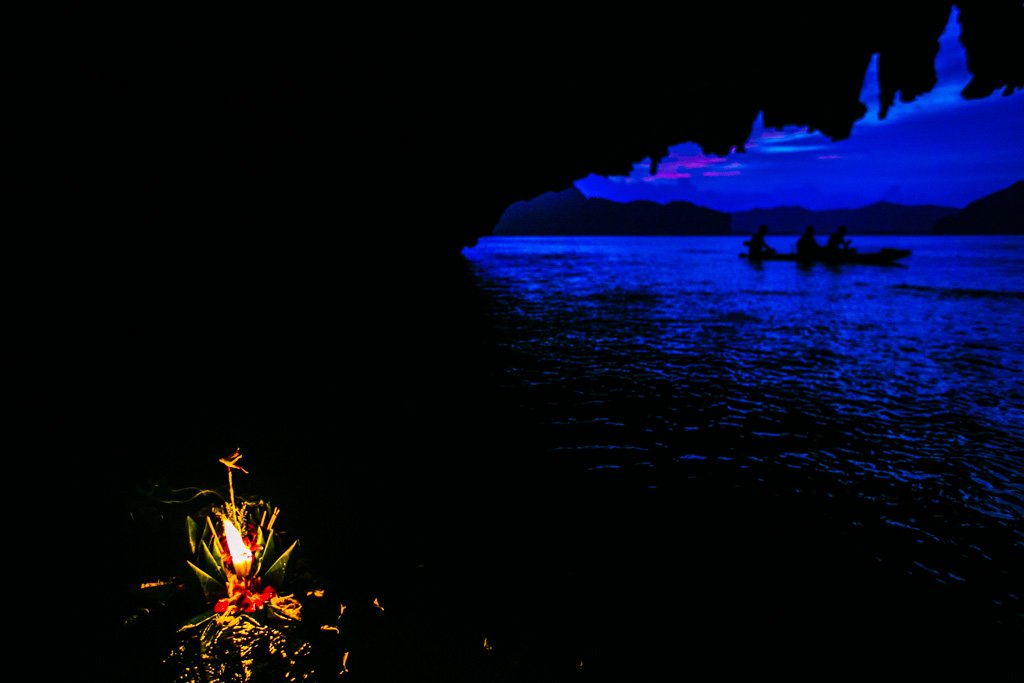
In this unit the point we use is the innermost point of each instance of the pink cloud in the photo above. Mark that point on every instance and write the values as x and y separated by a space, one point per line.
830 156
718 174
667 175
696 161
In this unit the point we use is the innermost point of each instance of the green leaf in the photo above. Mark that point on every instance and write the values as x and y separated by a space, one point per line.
195 534
275 574
214 565
267 554
212 588
216 551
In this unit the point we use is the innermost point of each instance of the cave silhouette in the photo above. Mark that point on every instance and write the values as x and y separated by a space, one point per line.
323 126
263 224
252 178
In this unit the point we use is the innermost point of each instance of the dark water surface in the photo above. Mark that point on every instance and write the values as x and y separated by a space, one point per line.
899 390
905 380
613 458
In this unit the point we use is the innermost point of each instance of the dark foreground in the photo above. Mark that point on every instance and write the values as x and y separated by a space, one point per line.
411 479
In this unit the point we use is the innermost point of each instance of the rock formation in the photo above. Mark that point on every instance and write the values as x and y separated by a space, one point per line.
1001 212
360 127
877 218
570 213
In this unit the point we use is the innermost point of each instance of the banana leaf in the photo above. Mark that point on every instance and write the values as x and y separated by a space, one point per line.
267 555
275 573
216 551
212 588
212 563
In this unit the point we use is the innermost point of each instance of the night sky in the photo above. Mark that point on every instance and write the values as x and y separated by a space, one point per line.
940 149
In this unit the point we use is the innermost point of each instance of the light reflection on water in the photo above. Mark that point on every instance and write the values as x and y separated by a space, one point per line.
901 385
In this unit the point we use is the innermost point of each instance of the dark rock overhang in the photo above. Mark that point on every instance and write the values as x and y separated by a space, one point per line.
426 126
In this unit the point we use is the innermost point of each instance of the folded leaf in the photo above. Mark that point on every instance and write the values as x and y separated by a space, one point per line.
268 554
211 562
274 575
212 588
216 551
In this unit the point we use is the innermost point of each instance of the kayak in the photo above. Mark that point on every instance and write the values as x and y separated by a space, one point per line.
879 258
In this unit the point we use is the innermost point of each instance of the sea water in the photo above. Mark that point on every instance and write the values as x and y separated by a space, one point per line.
902 386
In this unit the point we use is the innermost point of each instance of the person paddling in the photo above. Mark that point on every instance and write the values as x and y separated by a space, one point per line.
756 244
807 247
837 241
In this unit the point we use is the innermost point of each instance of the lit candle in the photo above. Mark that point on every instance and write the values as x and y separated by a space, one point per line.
241 556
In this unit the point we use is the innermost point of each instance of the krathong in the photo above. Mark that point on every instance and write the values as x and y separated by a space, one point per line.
251 629
237 561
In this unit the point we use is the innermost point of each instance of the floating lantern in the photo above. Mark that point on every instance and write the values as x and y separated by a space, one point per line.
248 628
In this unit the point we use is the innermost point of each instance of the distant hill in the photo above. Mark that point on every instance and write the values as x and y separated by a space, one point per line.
1000 213
882 218
571 213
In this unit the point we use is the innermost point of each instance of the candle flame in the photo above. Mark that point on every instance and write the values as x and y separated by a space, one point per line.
241 556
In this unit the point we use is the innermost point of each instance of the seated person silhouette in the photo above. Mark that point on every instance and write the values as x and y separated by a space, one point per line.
807 246
837 241
756 244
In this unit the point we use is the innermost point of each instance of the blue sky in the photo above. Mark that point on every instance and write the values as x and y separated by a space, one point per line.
939 149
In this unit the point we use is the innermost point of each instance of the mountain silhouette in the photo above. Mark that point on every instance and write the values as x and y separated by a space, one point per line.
569 212
1001 212
877 218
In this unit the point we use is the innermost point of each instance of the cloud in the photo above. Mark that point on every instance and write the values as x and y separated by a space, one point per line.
666 175
696 161
787 141
768 135
939 149
680 163
656 190
796 146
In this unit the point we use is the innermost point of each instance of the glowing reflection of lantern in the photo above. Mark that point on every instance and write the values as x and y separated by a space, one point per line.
241 556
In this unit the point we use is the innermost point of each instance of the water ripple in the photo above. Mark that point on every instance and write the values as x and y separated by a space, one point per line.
903 388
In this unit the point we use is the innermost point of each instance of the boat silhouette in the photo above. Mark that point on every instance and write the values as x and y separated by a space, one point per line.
882 257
